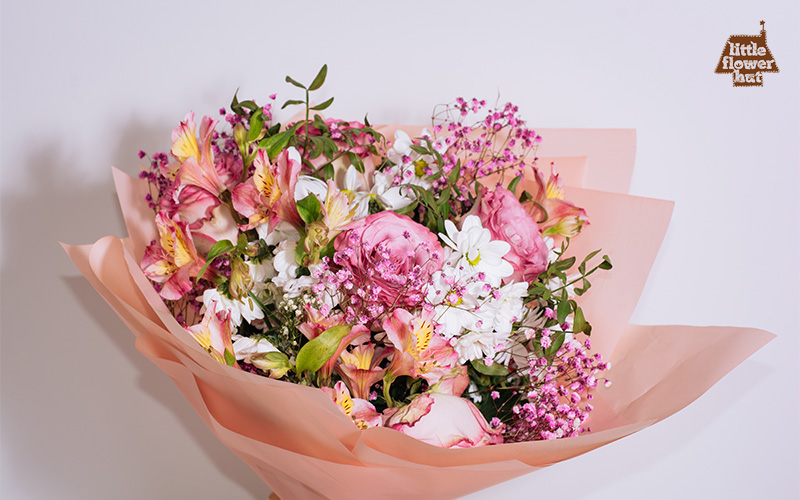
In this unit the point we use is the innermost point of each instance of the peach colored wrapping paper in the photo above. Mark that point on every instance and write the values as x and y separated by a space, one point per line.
303 447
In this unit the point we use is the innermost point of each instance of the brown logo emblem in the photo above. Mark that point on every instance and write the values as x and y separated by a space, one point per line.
748 58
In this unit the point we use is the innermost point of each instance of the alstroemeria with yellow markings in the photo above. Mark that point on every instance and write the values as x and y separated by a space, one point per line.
196 159
418 350
359 368
555 215
214 335
268 196
173 260
337 211
360 410
184 140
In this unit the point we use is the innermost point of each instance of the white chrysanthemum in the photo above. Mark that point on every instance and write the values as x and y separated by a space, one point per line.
239 309
410 166
453 303
307 185
286 267
283 231
284 262
505 307
391 197
475 252
481 345
246 347
552 255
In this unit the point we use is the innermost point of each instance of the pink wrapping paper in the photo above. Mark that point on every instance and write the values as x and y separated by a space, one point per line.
303 447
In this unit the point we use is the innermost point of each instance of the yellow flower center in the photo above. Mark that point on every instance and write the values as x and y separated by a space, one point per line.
452 299
419 167
423 333
473 257
346 402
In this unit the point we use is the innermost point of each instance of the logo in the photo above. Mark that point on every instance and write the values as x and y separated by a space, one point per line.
748 58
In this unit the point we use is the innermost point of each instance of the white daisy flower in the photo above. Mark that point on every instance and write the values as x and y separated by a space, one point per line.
246 347
239 309
475 252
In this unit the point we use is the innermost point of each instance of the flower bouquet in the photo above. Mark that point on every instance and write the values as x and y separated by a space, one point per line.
416 311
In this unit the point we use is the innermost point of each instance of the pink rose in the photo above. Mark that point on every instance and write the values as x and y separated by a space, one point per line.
392 253
507 220
442 420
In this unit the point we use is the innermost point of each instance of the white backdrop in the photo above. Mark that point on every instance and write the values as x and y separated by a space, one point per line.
86 84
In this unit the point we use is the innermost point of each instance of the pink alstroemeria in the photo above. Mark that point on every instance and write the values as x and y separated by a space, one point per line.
219 226
184 140
319 320
360 410
418 350
358 335
214 335
193 204
359 368
173 260
562 218
268 196
197 161
443 420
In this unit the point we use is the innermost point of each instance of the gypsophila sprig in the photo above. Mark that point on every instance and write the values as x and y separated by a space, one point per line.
401 275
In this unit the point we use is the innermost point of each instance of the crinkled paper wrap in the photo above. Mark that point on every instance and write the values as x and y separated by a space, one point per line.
303 447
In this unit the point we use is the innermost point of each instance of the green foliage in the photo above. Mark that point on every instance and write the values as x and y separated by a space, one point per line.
319 350
493 370
309 208
319 79
512 186
278 142
220 248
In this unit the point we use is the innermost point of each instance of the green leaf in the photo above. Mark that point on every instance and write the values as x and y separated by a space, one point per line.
366 122
424 195
565 264
219 248
273 129
235 107
356 162
585 286
512 186
324 105
300 251
606 264
275 144
294 82
292 102
579 323
319 79
328 171
407 209
419 149
494 370
309 208
230 359
453 178
562 311
256 126
320 349
525 196
591 254
558 341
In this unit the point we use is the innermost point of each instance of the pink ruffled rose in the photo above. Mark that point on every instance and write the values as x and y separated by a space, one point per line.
503 215
443 420
393 252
